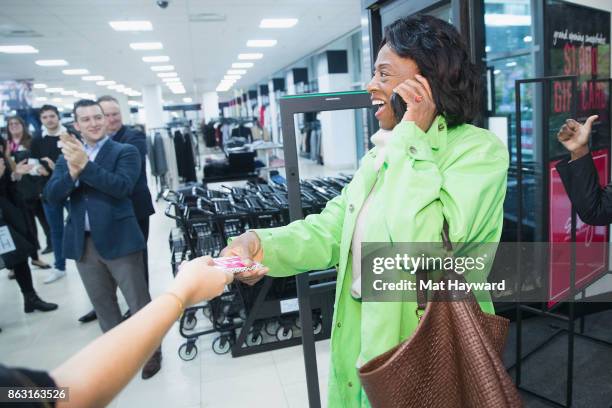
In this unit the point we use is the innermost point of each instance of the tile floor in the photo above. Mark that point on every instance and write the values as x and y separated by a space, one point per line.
42 341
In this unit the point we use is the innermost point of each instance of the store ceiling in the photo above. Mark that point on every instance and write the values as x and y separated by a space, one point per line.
201 51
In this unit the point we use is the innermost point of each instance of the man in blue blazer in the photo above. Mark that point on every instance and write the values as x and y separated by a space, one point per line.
141 196
102 234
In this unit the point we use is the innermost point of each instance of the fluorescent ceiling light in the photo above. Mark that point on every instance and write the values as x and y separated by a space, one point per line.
178 91
507 20
78 71
167 74
69 93
187 100
261 43
232 77
18 49
159 68
223 88
156 58
242 65
52 63
105 83
40 86
131 25
41 98
250 56
175 79
143 46
236 71
278 22
93 78
57 99
54 90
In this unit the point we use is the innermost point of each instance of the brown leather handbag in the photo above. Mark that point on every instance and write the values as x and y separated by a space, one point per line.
452 360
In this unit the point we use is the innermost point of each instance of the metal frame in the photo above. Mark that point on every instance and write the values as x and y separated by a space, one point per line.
289 106
570 319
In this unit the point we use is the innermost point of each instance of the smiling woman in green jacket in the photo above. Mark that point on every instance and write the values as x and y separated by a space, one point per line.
430 166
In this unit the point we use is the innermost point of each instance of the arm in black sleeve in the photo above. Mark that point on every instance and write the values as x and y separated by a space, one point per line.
581 181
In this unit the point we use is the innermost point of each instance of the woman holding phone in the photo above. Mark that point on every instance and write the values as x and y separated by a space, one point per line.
428 166
27 175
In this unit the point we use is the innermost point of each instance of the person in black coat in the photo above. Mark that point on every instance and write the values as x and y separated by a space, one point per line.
592 203
12 216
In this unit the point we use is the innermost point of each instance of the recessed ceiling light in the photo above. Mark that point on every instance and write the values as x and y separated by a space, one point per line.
93 78
278 22
52 63
159 68
40 86
143 46
131 25
261 43
54 90
175 79
232 77
156 58
178 91
41 98
69 93
250 56
167 74
105 83
187 100
242 65
18 49
236 71
78 71
57 99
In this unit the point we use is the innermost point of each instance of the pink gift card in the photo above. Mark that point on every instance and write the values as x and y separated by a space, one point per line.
234 264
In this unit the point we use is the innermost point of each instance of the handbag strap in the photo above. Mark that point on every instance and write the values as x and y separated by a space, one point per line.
421 274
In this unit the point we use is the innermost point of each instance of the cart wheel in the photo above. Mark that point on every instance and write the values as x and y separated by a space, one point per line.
284 333
271 327
254 339
190 321
188 351
221 345
206 311
318 326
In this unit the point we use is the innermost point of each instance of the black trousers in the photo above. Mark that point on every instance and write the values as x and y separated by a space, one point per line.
23 276
35 210
144 227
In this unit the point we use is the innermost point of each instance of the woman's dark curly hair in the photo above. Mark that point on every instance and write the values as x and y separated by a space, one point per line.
441 55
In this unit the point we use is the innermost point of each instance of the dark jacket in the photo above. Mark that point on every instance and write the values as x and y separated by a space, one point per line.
141 196
104 190
592 202
12 214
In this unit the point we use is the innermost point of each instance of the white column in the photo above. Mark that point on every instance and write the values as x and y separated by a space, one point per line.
338 135
210 105
153 107
273 108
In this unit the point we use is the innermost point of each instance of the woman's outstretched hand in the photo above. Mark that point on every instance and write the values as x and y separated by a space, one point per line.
248 247
199 280
419 99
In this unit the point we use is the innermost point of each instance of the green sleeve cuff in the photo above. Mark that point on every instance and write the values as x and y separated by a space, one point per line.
271 257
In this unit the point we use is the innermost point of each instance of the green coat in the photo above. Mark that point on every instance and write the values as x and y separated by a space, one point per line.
458 174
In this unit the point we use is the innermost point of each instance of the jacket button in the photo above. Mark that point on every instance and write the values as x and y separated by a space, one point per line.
373 155
351 208
338 324
412 150
350 384
441 126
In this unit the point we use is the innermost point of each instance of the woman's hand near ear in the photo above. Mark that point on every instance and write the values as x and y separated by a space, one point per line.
419 99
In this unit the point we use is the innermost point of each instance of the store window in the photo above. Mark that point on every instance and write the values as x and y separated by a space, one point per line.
510 56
